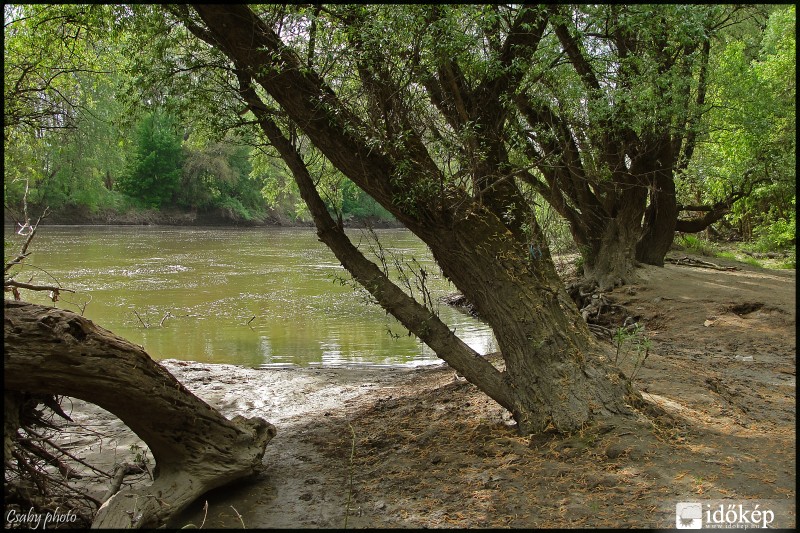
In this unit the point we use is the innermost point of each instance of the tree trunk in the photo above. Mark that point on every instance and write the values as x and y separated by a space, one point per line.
610 249
12 402
196 449
556 375
661 216
610 258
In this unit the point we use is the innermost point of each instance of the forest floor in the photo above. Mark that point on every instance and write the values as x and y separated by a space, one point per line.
414 448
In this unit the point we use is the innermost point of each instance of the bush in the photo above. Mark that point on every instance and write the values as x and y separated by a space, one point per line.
233 209
777 235
357 204
695 245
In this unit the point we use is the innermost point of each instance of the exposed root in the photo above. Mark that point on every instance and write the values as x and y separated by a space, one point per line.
600 311
40 475
597 307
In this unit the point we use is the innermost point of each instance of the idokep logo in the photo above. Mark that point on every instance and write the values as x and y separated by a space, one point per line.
723 514
688 515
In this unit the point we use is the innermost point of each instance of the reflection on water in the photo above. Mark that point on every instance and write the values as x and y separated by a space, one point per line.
266 296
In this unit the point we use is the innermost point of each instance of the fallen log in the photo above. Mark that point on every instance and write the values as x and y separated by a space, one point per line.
196 449
692 262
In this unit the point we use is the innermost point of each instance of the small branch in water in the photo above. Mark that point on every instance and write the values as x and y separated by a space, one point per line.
248 322
26 230
168 315
140 319
82 306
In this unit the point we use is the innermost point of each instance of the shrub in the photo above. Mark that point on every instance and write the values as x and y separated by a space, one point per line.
777 235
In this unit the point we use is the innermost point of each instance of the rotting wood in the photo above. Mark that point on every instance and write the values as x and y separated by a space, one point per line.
196 449
690 261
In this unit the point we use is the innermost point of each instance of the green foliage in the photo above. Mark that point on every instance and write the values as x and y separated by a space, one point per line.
278 189
776 235
235 210
341 195
216 175
78 80
791 261
47 49
741 257
59 106
154 174
696 245
751 139
762 253
358 204
632 340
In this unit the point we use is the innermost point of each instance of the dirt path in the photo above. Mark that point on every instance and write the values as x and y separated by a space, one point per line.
429 450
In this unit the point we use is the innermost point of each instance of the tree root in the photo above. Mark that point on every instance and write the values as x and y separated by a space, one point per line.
598 309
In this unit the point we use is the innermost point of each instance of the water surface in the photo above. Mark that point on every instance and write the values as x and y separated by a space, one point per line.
262 296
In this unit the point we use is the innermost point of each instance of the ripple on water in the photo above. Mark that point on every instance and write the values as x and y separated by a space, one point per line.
286 278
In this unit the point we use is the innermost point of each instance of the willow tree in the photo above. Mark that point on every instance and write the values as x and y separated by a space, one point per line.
57 106
610 118
395 99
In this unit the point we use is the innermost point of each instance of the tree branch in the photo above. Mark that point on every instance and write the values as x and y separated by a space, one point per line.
31 287
715 212
573 50
691 134
313 105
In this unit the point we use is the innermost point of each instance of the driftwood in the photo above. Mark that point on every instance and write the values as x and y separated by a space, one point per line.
692 262
196 449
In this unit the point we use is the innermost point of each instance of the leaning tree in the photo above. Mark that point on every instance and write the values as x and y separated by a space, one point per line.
396 100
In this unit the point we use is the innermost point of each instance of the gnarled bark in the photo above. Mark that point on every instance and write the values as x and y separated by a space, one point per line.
609 260
196 449
593 186
556 375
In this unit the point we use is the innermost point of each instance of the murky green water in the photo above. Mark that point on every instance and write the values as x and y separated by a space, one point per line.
250 297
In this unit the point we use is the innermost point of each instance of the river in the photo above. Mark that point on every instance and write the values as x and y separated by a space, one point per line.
252 297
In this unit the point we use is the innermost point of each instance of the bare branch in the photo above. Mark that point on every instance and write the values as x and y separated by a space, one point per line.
32 287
